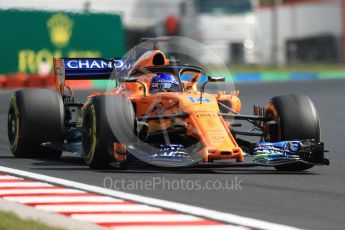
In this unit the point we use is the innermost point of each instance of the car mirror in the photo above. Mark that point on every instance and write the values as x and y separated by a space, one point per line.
216 79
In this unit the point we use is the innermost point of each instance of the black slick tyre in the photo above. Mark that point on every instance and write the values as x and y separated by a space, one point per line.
107 119
35 116
297 120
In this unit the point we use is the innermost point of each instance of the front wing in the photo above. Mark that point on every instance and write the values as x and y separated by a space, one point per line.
267 154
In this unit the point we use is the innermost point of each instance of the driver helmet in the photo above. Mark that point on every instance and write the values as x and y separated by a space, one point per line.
163 82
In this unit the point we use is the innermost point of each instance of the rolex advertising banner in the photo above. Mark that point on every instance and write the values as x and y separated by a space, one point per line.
30 39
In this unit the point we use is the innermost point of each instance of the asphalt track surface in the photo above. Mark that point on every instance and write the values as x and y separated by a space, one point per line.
313 200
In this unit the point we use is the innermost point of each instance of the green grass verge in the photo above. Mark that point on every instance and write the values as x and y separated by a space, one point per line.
292 68
10 221
103 84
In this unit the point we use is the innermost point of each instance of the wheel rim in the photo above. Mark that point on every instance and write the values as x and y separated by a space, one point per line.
89 135
13 126
12 130
272 133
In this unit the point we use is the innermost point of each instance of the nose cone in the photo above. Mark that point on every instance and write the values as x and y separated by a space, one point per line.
212 131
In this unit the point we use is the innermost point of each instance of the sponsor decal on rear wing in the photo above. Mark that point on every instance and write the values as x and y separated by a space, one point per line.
87 68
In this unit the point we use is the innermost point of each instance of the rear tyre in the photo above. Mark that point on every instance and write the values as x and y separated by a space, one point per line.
107 119
35 116
296 118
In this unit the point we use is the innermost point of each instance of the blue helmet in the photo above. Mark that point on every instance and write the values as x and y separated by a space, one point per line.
163 82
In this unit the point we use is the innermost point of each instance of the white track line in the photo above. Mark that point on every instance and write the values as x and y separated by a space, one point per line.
61 199
98 208
38 191
193 210
186 227
7 177
23 184
132 218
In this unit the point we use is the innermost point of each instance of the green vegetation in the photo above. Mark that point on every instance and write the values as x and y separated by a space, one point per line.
295 68
10 221
273 1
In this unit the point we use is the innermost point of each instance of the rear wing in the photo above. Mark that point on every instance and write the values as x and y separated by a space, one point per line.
85 69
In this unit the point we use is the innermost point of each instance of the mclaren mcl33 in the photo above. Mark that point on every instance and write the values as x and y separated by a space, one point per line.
160 113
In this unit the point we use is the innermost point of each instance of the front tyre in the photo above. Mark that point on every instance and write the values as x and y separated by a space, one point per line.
106 120
296 119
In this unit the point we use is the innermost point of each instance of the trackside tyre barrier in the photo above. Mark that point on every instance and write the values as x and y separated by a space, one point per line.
49 81
35 81
21 80
2 81
18 80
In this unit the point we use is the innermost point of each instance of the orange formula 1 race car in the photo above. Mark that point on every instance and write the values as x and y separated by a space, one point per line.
163 114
